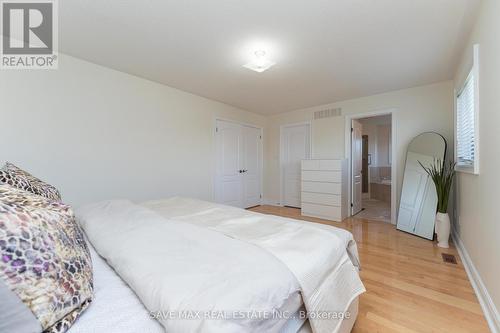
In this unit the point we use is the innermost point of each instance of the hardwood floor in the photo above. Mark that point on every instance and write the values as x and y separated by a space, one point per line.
409 287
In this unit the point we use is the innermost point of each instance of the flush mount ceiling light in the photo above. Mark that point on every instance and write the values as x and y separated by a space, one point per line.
260 62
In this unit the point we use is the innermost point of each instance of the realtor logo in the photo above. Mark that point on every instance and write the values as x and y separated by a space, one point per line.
29 34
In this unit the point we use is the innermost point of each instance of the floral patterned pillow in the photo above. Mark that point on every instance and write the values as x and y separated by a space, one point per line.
45 265
14 176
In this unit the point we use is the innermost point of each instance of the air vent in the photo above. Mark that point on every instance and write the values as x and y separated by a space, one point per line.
327 113
449 258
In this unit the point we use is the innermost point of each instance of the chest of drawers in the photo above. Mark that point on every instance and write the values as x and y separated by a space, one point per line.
324 189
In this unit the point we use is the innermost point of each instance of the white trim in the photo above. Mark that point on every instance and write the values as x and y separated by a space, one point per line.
489 309
282 127
214 153
394 162
475 72
268 202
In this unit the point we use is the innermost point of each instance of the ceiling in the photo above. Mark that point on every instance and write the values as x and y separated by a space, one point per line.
325 50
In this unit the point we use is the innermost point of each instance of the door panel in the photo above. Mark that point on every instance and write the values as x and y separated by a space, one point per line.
238 165
296 147
252 166
357 166
228 185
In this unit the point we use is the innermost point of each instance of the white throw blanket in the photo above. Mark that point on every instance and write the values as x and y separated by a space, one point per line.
224 260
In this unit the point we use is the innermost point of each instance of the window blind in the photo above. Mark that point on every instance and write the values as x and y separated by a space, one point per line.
466 144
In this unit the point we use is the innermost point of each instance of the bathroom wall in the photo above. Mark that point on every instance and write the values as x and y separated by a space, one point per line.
378 130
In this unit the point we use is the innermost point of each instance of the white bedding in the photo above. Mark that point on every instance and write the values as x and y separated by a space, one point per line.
322 258
115 307
175 266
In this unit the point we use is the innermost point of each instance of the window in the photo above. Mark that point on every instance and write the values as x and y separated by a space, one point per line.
467 138
465 124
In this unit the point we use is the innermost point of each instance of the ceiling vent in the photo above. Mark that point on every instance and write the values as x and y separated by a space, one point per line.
327 113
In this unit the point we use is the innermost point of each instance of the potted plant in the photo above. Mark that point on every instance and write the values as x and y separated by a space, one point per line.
442 175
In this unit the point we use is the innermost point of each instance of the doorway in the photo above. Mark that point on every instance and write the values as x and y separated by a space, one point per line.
238 179
371 156
295 147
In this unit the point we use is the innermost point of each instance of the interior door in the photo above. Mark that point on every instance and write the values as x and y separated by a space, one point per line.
357 166
252 166
416 187
229 146
296 147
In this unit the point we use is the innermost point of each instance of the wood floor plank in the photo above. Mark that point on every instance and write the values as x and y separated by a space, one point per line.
387 323
409 287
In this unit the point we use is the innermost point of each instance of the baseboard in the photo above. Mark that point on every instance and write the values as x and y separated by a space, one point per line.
489 308
270 203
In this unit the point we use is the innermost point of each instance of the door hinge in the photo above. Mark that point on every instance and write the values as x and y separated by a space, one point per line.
352 129
216 129
352 205
260 137
261 196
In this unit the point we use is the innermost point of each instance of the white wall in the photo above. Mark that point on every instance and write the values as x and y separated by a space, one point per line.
420 109
478 214
96 133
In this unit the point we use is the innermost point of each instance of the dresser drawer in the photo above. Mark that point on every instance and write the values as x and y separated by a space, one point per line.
310 164
328 188
323 165
322 176
331 165
321 211
321 198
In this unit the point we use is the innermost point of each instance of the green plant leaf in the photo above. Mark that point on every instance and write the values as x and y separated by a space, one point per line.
442 175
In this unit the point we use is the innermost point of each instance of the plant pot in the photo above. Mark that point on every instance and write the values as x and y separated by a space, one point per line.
443 229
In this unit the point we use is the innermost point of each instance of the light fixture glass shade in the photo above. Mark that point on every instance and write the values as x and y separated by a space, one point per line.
260 63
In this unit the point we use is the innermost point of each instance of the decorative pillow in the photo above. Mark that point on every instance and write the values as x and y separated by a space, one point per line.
14 176
45 265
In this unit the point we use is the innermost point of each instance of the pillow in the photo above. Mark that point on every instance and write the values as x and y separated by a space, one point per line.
14 176
45 265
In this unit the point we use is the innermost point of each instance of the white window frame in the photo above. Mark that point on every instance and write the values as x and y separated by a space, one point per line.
473 169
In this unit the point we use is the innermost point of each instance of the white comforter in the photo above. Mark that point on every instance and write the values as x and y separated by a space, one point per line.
196 278
115 308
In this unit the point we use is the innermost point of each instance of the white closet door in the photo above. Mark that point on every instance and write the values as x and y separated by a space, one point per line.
238 165
252 166
228 182
296 147
357 166
416 184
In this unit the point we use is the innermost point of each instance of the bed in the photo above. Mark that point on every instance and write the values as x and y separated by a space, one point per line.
194 256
